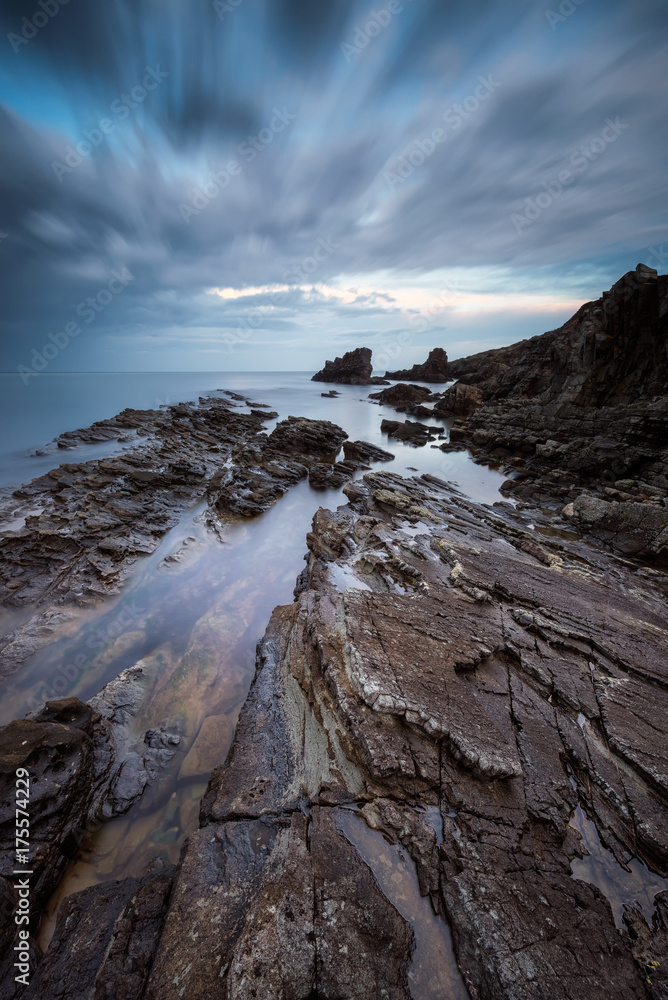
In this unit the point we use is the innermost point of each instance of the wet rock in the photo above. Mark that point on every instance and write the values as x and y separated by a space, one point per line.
427 680
125 762
58 748
361 453
297 447
650 945
434 369
463 686
354 368
634 529
322 476
97 518
250 490
459 400
84 766
301 436
332 394
111 931
402 396
410 431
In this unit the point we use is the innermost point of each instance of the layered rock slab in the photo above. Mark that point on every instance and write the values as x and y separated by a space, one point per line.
464 685
449 664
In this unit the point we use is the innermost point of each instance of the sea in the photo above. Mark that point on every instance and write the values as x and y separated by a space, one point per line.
32 415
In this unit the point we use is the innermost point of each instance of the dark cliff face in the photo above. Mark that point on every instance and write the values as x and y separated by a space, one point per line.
613 350
434 369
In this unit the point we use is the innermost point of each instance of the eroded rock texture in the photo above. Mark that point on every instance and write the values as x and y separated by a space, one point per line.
410 430
434 369
82 770
354 368
585 403
79 530
463 684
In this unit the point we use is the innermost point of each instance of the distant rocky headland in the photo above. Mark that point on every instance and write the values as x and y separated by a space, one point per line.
476 691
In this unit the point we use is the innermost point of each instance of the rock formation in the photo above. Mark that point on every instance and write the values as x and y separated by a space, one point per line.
85 525
401 396
410 430
83 769
586 405
459 400
611 352
434 369
449 681
354 368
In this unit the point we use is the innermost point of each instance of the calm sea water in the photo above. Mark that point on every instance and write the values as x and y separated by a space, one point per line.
32 415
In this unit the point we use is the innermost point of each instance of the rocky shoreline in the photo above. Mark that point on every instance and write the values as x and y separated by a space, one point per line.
463 688
463 709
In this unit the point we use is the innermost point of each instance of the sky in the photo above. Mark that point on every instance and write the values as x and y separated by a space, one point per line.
264 184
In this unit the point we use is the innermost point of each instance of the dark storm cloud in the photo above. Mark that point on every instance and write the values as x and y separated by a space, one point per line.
347 122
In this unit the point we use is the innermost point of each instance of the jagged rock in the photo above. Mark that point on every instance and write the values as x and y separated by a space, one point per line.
434 369
301 436
361 453
459 400
322 476
461 684
650 945
294 450
332 394
354 368
411 431
111 931
613 350
590 398
402 396
634 529
86 524
426 680
82 768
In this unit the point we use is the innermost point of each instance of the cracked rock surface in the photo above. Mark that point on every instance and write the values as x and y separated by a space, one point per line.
463 687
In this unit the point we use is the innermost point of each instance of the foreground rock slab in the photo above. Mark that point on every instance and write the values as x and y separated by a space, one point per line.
462 685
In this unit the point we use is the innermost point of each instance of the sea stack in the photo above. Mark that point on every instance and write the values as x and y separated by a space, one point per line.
434 369
354 368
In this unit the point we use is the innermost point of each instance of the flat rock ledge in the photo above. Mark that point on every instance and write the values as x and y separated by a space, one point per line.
452 681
